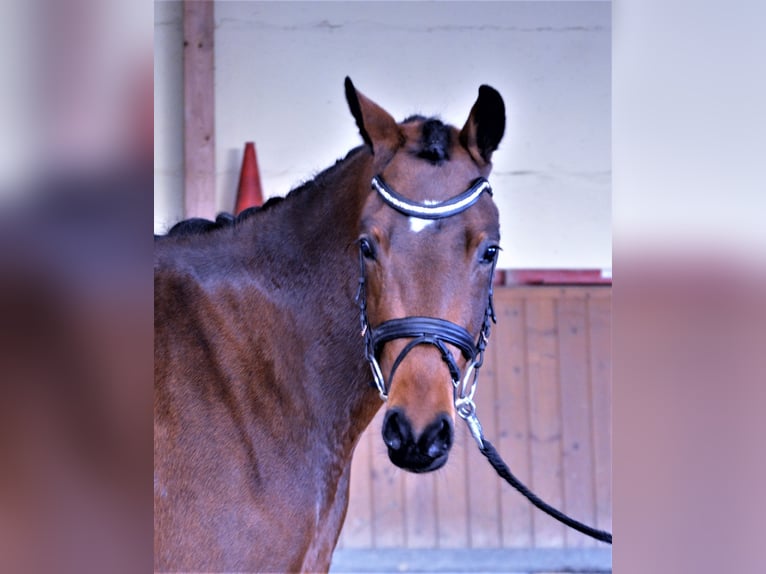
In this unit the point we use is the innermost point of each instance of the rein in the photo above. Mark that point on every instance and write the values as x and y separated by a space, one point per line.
439 332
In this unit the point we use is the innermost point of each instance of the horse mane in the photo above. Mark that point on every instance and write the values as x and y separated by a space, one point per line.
435 138
202 226
435 143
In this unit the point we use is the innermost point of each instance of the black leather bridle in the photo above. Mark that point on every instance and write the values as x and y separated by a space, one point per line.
428 330
439 332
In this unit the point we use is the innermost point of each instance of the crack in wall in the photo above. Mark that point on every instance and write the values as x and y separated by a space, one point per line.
327 25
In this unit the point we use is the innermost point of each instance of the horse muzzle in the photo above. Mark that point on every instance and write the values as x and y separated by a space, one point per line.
423 453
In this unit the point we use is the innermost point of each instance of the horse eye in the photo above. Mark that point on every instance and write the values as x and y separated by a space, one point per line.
490 254
365 246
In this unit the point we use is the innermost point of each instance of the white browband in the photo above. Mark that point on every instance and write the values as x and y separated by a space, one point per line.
436 211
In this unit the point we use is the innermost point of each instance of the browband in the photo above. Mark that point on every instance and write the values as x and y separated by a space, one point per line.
446 208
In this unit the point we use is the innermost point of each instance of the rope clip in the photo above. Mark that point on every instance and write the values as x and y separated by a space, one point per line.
466 409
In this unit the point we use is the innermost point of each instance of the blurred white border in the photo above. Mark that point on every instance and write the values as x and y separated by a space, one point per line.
689 126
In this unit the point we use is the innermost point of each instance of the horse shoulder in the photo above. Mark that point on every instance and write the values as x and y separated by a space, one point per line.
219 378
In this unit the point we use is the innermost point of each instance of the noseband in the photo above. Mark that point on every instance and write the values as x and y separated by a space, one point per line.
428 330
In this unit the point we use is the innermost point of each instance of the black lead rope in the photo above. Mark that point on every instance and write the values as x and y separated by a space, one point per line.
502 469
467 412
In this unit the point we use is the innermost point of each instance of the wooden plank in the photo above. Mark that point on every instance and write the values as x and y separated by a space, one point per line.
199 109
388 512
508 344
357 529
483 485
451 494
546 292
601 395
576 417
420 507
545 417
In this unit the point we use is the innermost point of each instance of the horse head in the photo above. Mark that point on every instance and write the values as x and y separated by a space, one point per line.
428 243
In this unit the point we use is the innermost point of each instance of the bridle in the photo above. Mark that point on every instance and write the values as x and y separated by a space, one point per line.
439 332
428 330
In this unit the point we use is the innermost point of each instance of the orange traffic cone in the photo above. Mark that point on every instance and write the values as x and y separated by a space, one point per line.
249 193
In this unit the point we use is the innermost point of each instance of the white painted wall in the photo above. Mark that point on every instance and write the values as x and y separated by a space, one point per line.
279 81
168 114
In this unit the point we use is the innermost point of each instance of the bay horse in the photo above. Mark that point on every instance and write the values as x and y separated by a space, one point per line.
262 380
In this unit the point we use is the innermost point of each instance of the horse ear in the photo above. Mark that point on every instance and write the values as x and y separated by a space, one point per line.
485 126
376 126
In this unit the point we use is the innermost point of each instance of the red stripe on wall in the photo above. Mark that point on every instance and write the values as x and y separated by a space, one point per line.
553 277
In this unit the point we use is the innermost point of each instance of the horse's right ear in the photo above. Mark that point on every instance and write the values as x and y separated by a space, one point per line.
376 126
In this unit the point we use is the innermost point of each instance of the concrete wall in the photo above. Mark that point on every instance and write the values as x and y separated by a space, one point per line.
279 81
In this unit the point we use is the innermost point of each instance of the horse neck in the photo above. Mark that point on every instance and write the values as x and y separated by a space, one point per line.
311 243
310 238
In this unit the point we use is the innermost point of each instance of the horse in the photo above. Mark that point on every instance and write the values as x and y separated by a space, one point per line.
269 325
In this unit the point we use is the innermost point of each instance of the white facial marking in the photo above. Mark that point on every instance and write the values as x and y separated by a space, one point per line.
417 224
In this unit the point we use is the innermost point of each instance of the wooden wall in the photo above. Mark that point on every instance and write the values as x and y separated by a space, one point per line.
544 400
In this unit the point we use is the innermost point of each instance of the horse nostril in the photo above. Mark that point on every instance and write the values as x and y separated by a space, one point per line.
393 440
438 436
396 429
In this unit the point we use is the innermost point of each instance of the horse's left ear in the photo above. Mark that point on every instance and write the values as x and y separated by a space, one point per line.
376 126
485 127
